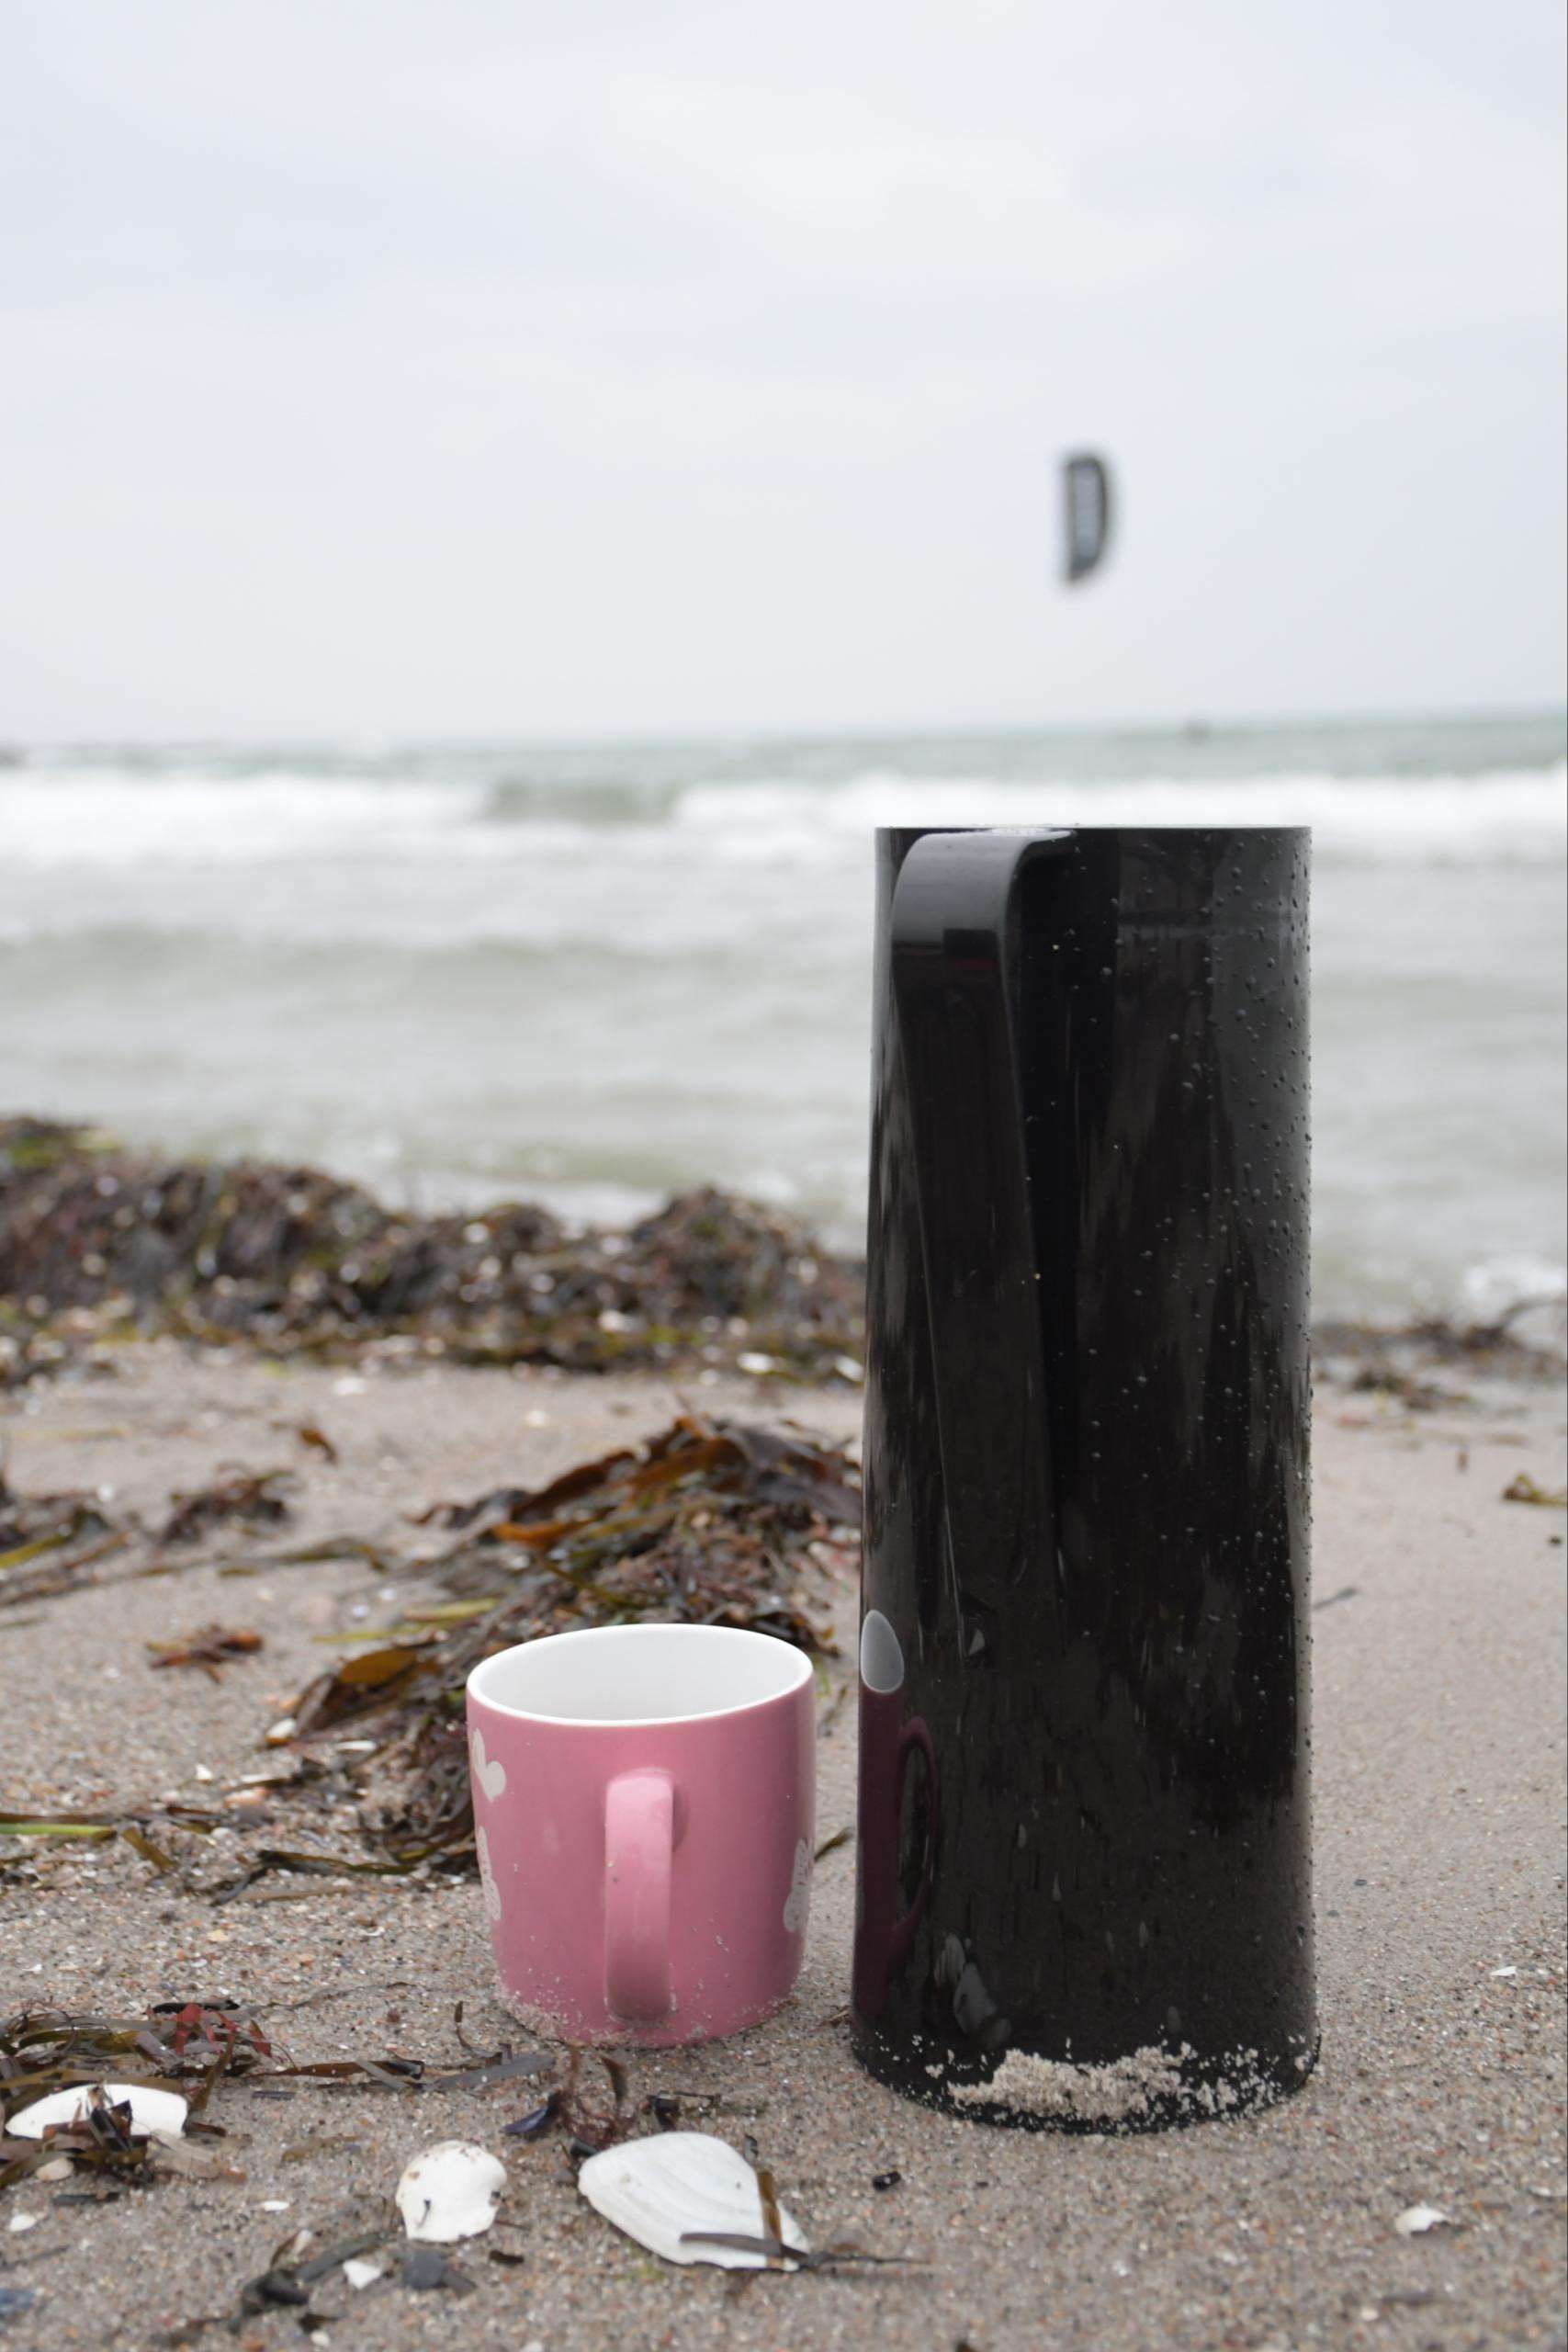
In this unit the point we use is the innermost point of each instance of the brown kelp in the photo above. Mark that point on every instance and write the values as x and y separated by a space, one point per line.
253 1497
211 1648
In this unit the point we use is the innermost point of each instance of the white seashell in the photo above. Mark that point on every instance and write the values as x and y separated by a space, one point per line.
361 2272
152 2112
660 2189
1416 2220
450 2191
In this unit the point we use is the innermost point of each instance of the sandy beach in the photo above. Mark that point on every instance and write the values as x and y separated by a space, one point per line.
1439 1811
784 810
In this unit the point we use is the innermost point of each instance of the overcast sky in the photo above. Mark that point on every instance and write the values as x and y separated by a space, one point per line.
473 367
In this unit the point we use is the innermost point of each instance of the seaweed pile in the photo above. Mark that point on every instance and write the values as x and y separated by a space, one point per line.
711 1522
99 1243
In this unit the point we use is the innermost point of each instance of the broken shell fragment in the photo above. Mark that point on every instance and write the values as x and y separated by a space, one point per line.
1416 2220
449 2191
676 2187
154 2114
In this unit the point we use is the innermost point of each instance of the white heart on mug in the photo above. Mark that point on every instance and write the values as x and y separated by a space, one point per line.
486 1875
797 1903
489 1771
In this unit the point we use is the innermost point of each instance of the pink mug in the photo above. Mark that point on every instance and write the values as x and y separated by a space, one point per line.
644 1810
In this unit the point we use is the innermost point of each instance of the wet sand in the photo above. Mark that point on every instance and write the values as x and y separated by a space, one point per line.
1440 1799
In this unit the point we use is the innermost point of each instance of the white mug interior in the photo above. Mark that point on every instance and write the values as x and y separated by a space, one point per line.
639 1674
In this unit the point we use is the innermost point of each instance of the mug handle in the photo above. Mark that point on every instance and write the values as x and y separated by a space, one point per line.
640 1843
914 1735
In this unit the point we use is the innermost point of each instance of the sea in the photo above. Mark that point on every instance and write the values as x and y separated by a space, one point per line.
597 974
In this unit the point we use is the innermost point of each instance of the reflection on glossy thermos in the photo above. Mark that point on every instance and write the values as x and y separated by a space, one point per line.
1084 1881
888 1742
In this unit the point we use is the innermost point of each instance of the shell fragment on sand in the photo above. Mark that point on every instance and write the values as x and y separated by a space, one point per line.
673 2189
155 2114
450 2191
1416 2220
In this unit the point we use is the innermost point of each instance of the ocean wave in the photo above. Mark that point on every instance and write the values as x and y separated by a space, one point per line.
1512 816
43 959
107 818
580 801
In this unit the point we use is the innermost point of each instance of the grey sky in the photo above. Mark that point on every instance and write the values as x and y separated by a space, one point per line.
376 367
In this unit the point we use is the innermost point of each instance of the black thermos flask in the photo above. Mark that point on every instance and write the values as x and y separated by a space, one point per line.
1084 1890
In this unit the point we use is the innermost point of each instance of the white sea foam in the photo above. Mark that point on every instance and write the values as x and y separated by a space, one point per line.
1495 1284
73 817
1506 817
